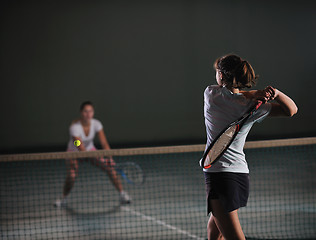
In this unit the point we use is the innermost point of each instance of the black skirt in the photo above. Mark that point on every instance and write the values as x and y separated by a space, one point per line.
232 189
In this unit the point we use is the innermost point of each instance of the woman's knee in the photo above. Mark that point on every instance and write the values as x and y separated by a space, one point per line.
106 164
98 162
72 174
72 169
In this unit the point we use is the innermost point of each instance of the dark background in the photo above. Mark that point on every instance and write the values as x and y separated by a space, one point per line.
145 66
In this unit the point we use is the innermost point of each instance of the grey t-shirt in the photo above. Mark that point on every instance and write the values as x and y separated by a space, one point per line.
222 107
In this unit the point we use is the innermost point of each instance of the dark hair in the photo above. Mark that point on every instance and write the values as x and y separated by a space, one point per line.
85 104
236 72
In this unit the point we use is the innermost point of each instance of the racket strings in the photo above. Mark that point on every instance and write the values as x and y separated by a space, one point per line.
220 145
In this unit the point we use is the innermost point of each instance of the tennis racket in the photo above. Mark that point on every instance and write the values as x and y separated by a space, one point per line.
225 138
131 172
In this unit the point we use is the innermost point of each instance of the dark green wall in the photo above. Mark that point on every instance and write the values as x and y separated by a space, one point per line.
145 66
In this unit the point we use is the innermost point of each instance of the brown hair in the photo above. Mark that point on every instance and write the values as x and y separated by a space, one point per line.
82 106
236 72
85 104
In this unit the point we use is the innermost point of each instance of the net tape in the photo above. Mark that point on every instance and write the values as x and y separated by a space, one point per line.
151 150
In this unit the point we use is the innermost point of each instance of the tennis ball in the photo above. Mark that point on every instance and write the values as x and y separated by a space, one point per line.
77 143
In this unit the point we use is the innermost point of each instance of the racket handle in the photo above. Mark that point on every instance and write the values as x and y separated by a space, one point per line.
259 103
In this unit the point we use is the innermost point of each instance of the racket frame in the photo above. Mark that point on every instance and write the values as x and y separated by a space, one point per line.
119 167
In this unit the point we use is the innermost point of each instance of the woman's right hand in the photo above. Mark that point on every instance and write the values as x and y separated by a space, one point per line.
271 92
264 95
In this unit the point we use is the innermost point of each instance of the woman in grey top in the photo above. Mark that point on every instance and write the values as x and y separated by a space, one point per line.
227 182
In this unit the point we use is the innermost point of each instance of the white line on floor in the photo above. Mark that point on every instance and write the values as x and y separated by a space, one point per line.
162 223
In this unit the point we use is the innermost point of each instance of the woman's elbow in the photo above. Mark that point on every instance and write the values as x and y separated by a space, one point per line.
293 111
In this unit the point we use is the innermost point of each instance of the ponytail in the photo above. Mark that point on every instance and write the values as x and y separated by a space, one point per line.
237 73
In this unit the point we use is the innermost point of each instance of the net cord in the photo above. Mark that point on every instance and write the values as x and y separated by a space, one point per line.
148 150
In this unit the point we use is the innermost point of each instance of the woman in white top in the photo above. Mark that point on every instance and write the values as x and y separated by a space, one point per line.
84 130
227 181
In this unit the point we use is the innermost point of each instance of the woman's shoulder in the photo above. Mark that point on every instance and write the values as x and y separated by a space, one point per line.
97 124
75 128
75 122
95 121
213 87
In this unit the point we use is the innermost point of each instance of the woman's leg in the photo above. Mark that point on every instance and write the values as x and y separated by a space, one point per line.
72 172
213 232
227 223
107 165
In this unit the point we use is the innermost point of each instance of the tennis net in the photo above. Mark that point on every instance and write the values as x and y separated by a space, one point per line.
168 204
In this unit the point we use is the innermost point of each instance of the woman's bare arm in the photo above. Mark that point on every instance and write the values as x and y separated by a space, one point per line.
284 105
104 142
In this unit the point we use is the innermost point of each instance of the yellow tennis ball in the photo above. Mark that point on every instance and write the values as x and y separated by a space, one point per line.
77 143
